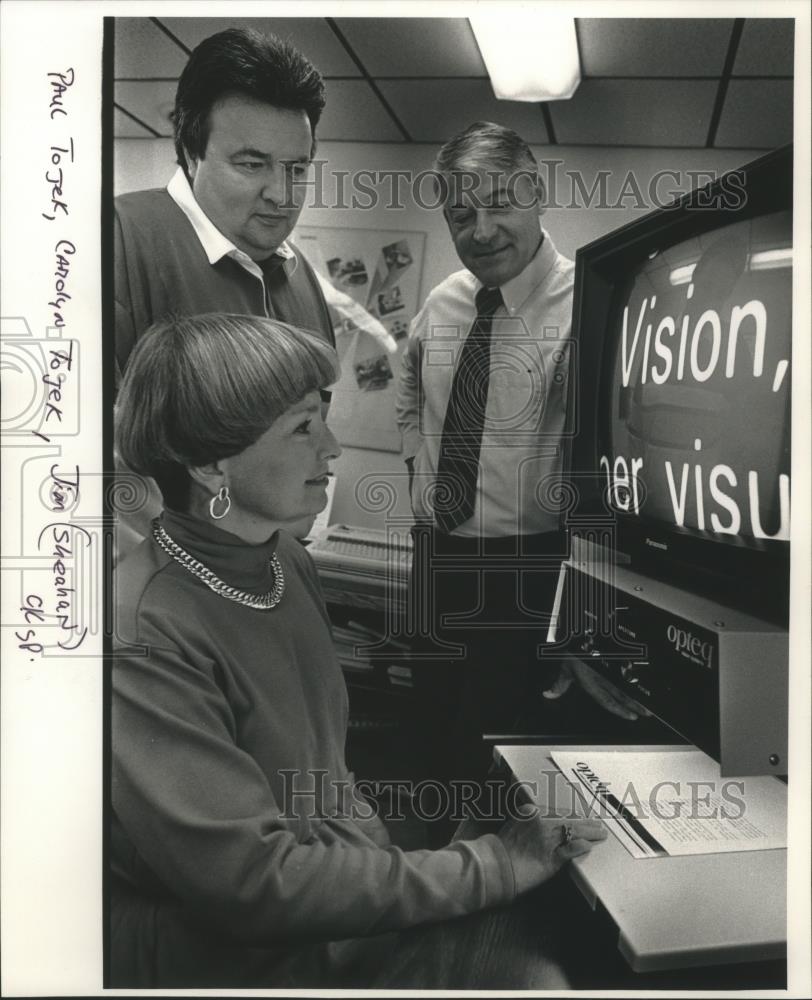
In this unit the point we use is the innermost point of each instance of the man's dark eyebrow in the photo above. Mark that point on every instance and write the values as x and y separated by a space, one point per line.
248 151
258 154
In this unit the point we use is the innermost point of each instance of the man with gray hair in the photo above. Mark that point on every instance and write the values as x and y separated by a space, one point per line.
482 410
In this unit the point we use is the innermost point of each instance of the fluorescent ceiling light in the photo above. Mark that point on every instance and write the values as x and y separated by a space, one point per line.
763 260
682 275
769 260
529 57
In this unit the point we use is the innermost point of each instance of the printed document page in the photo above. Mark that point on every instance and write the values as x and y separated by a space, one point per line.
663 804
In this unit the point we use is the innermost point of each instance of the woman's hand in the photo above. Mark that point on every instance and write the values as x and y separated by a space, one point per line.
609 697
539 847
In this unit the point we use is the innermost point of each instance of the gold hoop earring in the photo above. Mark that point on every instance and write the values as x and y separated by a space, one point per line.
223 497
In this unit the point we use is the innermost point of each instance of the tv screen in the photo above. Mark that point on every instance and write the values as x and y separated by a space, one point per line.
683 323
696 429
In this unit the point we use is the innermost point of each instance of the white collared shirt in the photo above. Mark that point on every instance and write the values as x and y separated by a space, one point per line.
526 410
215 244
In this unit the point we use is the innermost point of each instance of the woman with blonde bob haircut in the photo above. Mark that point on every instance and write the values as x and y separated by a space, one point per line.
241 852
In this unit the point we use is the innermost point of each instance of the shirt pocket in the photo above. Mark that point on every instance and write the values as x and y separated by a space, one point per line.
517 398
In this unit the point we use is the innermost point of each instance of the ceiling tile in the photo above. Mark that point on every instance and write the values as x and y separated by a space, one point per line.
636 113
757 114
310 34
354 113
414 46
142 50
766 47
125 128
653 46
612 112
149 100
433 110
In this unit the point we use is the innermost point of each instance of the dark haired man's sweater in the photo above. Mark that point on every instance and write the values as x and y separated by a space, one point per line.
161 267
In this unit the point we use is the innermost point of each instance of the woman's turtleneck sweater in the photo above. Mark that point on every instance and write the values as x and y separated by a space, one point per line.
230 791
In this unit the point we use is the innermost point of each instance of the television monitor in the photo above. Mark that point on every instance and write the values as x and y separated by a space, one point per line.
683 321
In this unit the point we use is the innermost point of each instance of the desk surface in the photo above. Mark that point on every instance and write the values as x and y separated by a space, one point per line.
546 940
676 912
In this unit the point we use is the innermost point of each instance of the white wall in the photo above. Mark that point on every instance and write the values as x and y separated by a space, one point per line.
143 163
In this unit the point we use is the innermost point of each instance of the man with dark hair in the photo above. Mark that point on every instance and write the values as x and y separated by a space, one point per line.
482 406
248 63
215 239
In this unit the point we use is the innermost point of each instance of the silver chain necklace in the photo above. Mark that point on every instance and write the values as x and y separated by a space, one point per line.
262 602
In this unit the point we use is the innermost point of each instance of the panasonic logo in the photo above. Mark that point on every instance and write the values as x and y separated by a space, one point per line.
655 545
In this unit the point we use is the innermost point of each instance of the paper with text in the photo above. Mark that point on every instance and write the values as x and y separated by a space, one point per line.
664 804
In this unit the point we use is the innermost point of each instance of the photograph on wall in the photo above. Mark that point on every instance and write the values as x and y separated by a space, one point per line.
393 261
390 301
373 373
371 320
348 274
398 328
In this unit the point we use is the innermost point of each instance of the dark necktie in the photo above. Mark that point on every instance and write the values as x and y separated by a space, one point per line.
461 443
273 273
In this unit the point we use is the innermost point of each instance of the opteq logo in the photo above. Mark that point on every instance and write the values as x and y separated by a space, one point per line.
687 644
